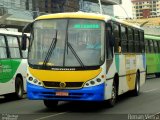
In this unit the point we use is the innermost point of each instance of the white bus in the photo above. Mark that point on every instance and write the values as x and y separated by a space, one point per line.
13 64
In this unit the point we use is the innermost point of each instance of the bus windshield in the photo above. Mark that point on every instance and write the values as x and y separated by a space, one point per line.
79 42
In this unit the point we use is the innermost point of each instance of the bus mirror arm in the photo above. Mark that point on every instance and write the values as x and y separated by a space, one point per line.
24 42
27 28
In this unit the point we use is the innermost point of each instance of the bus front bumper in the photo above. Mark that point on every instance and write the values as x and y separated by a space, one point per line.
95 93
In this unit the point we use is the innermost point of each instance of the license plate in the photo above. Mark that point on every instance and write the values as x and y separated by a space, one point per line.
62 94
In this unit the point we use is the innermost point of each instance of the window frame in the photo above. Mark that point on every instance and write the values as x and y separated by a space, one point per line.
124 42
19 48
6 47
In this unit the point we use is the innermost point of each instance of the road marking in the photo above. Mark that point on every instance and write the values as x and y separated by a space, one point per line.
151 90
50 116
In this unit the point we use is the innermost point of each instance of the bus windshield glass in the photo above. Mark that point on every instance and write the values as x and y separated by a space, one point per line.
79 42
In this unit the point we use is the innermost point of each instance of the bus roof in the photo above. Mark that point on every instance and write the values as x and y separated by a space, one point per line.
152 37
85 15
11 33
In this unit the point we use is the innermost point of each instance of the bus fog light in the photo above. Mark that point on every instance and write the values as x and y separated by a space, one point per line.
98 80
30 78
35 80
92 82
87 84
39 83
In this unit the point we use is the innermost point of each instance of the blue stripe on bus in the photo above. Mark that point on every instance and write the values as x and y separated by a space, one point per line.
95 93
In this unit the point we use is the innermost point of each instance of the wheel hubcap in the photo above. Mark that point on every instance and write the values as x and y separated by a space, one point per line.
113 94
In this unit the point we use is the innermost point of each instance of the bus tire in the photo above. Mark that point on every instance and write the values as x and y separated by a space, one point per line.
50 104
111 102
157 75
19 90
136 90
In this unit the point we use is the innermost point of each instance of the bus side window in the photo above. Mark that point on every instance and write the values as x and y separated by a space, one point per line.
155 46
116 35
110 42
130 41
151 46
124 39
3 48
137 41
13 47
158 46
146 46
142 44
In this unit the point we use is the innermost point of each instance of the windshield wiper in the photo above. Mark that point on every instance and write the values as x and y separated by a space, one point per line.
67 44
75 54
50 50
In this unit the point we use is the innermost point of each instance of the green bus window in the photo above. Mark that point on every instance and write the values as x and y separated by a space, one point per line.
155 47
158 42
151 46
130 40
146 46
13 47
3 51
124 39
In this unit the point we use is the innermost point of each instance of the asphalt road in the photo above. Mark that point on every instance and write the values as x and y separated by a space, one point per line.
147 104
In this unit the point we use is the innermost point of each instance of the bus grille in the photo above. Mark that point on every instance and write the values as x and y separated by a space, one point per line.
67 84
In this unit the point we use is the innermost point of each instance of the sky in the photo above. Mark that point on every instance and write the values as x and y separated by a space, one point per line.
124 10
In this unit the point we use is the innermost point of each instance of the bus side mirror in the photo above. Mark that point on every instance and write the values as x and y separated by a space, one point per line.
24 36
24 42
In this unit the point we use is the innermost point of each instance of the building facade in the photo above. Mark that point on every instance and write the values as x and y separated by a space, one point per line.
17 13
56 6
40 7
146 8
123 10
14 13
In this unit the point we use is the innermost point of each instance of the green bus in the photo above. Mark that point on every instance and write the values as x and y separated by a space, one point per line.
13 64
152 46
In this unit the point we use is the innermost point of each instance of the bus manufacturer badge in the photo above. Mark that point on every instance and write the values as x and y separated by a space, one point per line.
62 85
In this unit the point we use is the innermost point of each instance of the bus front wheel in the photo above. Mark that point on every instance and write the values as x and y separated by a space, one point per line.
111 102
50 104
19 88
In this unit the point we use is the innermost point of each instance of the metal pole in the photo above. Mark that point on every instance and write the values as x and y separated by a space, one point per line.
100 6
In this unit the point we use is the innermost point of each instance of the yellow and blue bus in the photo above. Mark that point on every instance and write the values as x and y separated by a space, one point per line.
84 57
152 45
13 64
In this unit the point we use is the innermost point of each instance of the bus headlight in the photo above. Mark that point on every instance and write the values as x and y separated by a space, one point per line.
93 82
34 81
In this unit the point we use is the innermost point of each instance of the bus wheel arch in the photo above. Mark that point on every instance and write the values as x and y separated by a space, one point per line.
136 90
116 80
114 95
19 86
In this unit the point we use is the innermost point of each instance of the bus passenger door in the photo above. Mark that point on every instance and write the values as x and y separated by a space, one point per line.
109 48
